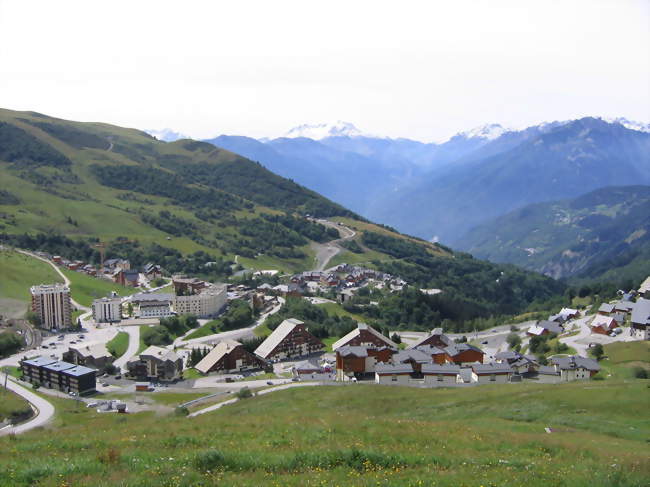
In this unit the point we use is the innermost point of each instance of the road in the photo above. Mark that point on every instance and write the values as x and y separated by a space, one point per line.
232 334
56 268
582 340
214 407
326 251
44 409
134 344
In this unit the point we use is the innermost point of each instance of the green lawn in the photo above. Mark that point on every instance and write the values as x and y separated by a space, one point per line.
119 344
12 406
18 273
360 435
86 288
628 352
190 374
329 341
338 310
262 331
203 331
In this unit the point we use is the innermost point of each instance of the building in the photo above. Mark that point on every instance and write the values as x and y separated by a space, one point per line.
93 355
207 303
575 367
435 339
491 373
152 271
185 286
51 302
156 363
545 328
464 353
127 277
360 361
107 310
606 309
114 264
364 335
393 374
644 289
312 370
229 356
440 375
417 358
640 321
603 325
290 339
63 376
153 305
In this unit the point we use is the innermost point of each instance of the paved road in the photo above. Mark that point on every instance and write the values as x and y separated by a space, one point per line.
326 251
582 340
232 334
44 409
134 344
56 268
214 407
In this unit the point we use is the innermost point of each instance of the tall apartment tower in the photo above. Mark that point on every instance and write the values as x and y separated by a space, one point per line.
52 304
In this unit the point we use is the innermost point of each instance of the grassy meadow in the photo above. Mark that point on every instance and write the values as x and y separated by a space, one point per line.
119 344
357 435
11 404
85 288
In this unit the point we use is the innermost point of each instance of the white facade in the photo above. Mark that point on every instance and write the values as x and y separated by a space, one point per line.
440 380
207 303
490 378
157 310
107 310
51 302
393 379
578 373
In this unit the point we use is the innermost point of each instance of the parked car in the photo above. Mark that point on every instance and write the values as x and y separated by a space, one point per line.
118 376
484 342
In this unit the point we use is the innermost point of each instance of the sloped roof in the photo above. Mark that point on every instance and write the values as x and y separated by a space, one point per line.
440 369
383 369
348 350
645 286
95 350
412 354
604 321
159 353
491 368
606 308
437 332
307 365
357 331
641 312
222 348
574 362
276 337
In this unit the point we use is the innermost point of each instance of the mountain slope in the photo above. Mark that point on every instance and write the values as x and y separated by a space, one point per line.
569 237
570 159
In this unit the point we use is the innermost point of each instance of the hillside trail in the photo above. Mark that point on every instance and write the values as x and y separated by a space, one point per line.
325 252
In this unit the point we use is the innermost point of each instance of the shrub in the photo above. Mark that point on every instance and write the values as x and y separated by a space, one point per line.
209 460
244 393
639 373
181 411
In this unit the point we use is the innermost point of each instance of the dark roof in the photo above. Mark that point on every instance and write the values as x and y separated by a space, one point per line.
551 326
440 369
606 308
348 350
411 354
508 355
547 370
39 361
79 370
491 368
59 366
382 368
574 362
641 312
431 350
457 348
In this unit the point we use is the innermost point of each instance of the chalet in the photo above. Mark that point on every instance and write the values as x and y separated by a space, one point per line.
569 313
152 271
437 355
330 280
545 328
290 339
295 289
93 355
486 373
640 321
393 374
439 375
603 325
413 356
126 277
359 361
623 306
114 264
436 339
364 335
644 289
311 370
156 363
229 356
575 367
57 259
73 266
606 309
464 353
344 296
546 374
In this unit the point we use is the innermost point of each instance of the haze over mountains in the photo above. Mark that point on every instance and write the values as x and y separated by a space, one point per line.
444 190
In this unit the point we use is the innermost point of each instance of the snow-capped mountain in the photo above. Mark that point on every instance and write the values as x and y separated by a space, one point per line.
630 124
168 135
323 130
488 131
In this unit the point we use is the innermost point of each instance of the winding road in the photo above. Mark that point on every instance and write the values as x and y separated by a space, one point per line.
132 350
44 409
326 251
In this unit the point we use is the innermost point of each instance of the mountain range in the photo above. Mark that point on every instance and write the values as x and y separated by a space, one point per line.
444 190
604 231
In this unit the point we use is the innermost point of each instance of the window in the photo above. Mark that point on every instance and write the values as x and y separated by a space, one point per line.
394 378
439 377
493 377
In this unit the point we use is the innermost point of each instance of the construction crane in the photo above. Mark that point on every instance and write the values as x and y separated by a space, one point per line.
101 246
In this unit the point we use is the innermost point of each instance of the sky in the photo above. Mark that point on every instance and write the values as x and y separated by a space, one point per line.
423 70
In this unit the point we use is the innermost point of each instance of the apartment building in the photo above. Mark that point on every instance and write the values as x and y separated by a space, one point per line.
51 302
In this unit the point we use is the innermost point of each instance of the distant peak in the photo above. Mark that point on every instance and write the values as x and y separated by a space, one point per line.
166 134
630 124
488 131
323 130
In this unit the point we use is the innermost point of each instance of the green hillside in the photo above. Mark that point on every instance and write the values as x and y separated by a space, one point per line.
357 435
586 236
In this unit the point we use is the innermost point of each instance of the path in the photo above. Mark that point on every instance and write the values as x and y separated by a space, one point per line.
56 268
214 407
44 409
134 345
326 251
232 334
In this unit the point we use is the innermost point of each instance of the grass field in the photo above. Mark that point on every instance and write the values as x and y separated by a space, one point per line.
119 344
356 435
621 358
203 330
11 403
19 272
85 288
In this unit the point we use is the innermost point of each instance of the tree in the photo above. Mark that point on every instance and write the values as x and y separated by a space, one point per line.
513 340
129 309
396 338
33 318
597 351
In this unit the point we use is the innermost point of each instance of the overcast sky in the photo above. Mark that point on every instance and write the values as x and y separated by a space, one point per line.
422 70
